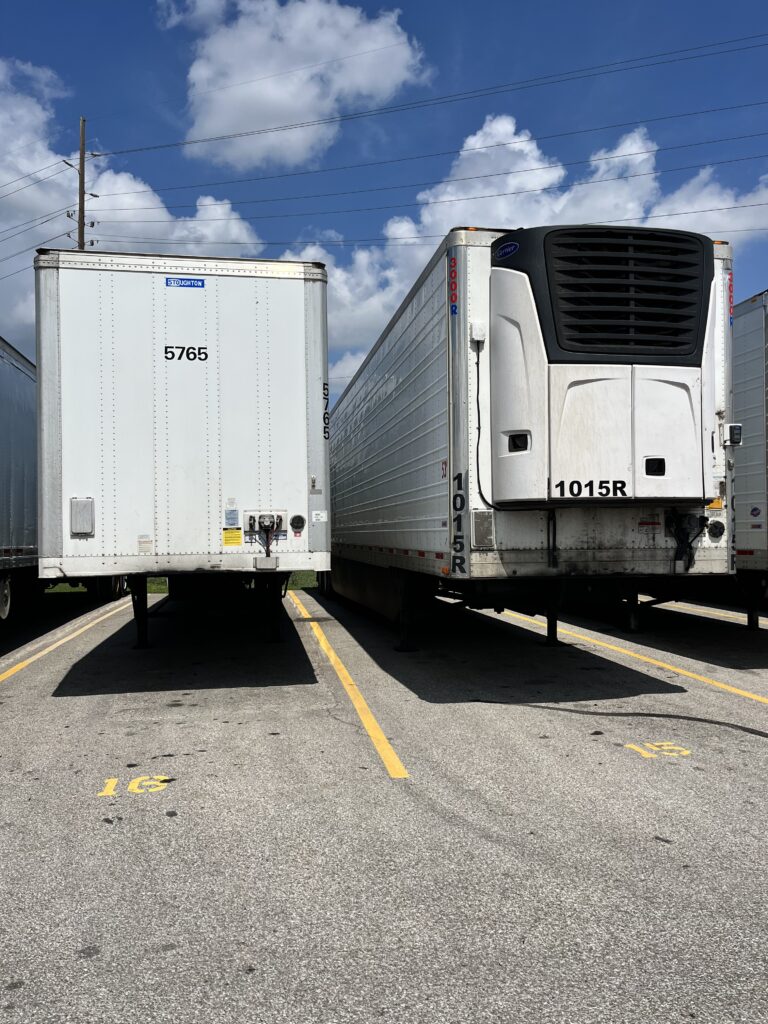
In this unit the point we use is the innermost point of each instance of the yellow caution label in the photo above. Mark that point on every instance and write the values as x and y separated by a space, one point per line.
232 537
715 505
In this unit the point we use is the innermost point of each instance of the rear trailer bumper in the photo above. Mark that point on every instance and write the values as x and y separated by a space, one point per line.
162 565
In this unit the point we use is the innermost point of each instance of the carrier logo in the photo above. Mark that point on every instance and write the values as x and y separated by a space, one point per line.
507 250
185 282
754 511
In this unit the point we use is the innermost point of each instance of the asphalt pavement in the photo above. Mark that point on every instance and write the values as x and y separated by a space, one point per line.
216 829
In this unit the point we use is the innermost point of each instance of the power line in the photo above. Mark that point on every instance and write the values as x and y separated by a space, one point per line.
307 67
32 220
683 213
260 241
277 74
31 174
14 273
29 248
615 220
39 181
552 79
441 202
418 240
438 153
438 181
38 224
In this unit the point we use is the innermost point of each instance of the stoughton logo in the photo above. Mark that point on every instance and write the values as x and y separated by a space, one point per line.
185 282
507 250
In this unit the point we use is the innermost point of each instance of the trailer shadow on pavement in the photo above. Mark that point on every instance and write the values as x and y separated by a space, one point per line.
703 638
465 656
192 648
49 612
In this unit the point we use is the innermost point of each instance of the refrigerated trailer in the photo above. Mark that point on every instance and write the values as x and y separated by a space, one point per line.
183 418
547 406
18 487
750 338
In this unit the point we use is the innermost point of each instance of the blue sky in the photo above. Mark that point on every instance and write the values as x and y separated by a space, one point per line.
157 72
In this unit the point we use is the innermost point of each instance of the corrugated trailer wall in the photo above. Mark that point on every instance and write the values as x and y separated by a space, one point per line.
18 460
750 404
389 440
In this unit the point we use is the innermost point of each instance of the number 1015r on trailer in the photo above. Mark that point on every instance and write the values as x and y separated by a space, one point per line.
547 405
183 425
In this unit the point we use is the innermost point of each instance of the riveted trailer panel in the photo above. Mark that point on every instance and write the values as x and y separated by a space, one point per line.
182 402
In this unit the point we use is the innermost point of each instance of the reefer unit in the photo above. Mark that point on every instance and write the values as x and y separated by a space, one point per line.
750 337
18 486
546 403
183 415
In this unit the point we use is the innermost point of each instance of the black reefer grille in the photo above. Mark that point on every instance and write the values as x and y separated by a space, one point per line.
617 294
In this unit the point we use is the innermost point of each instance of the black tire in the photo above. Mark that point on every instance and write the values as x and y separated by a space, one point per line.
6 598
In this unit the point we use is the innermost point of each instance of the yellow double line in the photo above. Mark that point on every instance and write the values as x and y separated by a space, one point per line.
392 762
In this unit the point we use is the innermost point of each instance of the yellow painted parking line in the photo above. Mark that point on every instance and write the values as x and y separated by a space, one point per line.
392 762
60 643
643 657
674 606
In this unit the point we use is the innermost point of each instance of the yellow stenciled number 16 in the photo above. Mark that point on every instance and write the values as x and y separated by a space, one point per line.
142 784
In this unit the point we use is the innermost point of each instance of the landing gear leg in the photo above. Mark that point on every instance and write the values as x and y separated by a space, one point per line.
138 587
633 614
553 607
274 597
407 619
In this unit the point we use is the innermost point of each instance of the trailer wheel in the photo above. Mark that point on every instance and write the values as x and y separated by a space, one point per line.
5 597
118 587
324 584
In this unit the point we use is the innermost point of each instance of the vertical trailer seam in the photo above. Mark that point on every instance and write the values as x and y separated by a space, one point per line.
268 377
207 397
218 543
113 424
153 356
100 341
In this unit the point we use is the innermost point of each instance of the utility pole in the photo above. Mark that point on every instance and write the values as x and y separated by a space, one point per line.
81 189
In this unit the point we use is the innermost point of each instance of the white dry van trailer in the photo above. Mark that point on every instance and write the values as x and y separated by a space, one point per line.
18 481
750 397
183 419
547 405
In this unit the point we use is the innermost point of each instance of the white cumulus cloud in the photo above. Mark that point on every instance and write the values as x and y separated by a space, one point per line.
507 170
32 214
271 63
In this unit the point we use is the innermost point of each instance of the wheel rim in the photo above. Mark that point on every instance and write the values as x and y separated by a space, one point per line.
5 597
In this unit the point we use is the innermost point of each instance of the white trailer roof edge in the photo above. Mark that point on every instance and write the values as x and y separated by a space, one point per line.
743 304
21 362
60 259
456 236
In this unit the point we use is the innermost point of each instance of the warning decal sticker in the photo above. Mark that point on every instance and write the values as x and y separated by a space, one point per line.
232 538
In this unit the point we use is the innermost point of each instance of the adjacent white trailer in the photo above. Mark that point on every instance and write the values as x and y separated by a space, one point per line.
183 416
547 404
750 338
18 486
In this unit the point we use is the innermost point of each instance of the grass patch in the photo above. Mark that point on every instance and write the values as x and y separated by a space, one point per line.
157 585
305 580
